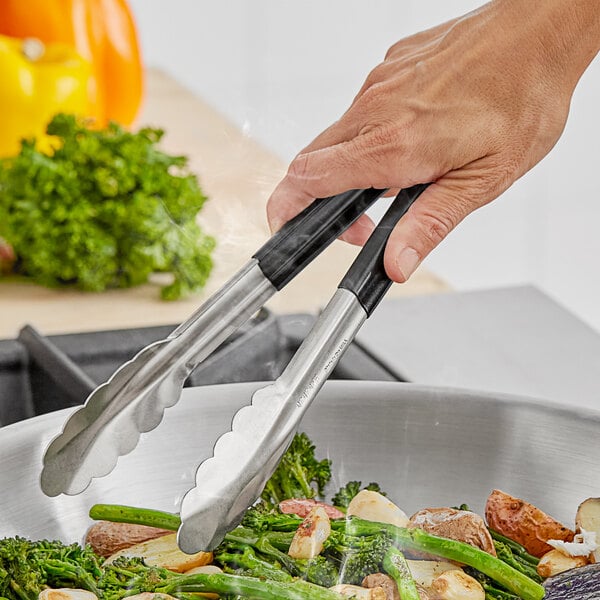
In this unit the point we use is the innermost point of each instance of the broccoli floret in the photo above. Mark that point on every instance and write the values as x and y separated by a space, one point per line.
298 475
241 559
356 555
130 575
319 570
27 567
262 517
345 494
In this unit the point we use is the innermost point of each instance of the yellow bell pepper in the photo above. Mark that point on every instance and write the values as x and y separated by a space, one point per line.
36 82
103 32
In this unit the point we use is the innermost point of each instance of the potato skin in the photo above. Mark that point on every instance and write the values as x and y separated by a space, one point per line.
462 525
524 523
106 537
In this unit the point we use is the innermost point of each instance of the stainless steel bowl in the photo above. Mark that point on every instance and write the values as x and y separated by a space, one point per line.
425 446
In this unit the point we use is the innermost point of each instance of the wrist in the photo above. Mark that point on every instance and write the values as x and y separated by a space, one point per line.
564 34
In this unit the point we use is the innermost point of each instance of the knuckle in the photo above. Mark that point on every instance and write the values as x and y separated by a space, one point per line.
300 167
437 224
376 75
373 98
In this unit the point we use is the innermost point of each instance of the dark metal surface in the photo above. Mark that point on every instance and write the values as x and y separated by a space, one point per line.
426 446
31 385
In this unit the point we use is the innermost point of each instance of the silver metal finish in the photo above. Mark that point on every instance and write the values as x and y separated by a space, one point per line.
426 446
134 399
245 457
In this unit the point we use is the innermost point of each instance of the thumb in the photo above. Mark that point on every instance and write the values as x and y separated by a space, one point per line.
439 209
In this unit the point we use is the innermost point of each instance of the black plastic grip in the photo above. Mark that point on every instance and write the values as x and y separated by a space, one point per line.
366 278
305 236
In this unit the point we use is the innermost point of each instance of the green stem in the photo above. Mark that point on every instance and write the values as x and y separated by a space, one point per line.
421 541
138 516
515 547
249 587
397 568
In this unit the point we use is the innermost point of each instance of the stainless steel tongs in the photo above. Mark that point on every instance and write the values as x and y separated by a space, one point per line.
134 399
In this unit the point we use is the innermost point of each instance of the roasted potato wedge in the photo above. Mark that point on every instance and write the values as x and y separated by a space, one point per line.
588 519
457 585
524 523
164 552
373 506
106 537
360 593
555 562
461 525
425 571
310 536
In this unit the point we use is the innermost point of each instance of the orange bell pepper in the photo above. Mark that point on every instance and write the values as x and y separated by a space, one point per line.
103 32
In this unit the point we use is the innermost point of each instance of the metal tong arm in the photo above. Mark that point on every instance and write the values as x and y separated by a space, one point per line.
357 296
134 399
261 432
274 265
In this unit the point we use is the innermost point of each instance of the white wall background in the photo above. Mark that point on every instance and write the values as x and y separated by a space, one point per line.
285 70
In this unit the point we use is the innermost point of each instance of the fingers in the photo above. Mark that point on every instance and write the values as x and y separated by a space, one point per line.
317 174
439 209
287 201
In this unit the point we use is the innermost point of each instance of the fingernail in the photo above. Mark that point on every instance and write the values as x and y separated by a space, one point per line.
407 261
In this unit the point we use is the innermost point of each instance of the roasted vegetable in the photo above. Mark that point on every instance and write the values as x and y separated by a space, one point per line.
356 555
346 493
588 519
576 584
251 588
106 537
555 562
383 581
311 535
302 506
462 525
164 552
148 517
506 554
457 585
242 559
425 571
299 474
27 567
373 506
524 523
421 541
358 592
107 209
396 567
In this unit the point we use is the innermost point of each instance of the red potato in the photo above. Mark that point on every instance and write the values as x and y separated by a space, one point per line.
106 537
164 552
462 525
524 523
302 506
588 519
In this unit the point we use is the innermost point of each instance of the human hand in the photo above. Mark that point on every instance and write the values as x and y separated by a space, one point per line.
470 105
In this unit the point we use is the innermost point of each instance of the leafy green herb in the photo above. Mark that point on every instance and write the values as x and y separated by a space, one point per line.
107 209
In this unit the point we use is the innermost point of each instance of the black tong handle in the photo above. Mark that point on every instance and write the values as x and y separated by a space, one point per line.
367 278
305 236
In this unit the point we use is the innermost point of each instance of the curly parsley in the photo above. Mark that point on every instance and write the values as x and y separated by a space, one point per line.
106 210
